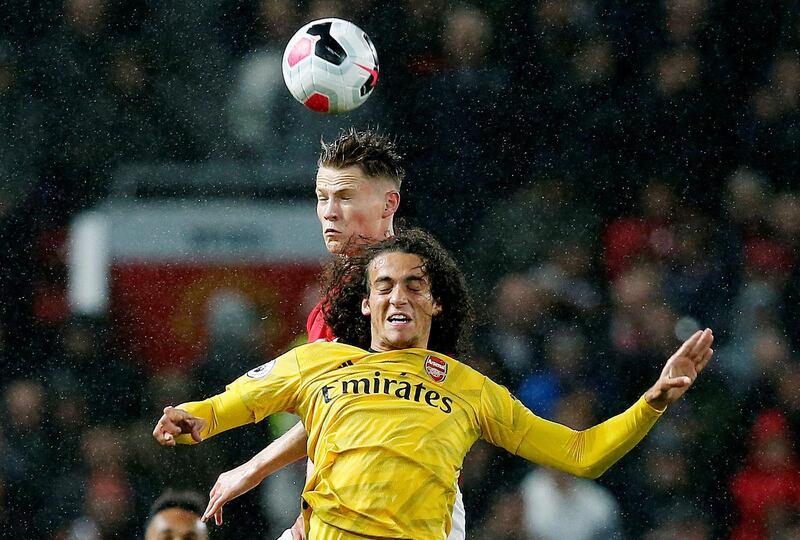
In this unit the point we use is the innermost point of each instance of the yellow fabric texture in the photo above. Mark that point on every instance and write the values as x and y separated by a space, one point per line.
319 530
388 440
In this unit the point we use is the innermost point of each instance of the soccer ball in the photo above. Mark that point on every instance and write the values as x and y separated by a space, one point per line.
330 66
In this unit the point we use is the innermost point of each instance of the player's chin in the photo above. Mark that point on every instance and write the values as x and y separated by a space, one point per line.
335 247
397 340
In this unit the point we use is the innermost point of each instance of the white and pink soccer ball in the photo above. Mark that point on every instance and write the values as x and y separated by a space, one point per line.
330 66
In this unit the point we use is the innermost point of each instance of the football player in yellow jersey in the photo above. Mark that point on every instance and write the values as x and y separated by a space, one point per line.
389 426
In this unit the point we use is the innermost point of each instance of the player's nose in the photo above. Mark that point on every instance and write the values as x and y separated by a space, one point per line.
398 297
331 211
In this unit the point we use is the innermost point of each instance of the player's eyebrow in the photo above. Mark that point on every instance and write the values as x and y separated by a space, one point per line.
383 279
416 277
339 191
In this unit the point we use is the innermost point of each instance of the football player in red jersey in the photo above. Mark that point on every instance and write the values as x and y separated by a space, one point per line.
358 193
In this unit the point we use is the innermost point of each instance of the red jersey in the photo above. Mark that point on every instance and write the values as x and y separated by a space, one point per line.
316 327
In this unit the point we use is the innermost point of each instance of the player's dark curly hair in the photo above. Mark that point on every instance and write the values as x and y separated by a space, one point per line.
374 152
347 284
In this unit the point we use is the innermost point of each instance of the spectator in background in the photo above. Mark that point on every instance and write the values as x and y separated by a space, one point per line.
697 288
463 120
567 369
515 335
506 518
673 123
67 431
557 505
108 501
71 73
684 21
641 324
192 74
143 466
587 142
659 482
235 346
784 220
746 204
769 129
565 121
681 520
755 314
531 228
22 120
139 118
235 342
766 490
86 365
408 33
259 81
27 456
176 516
643 234
787 393
565 280
107 511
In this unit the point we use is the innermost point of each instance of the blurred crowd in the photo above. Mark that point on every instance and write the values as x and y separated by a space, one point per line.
614 175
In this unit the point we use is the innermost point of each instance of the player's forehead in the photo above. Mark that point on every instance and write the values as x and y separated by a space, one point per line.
396 266
347 178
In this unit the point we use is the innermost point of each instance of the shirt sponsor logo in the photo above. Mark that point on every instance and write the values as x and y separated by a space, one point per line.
261 371
436 368
381 384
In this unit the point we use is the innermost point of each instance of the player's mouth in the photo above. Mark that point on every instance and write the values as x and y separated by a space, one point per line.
398 319
330 232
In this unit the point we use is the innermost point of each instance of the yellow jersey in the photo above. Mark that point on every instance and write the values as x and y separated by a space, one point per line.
388 431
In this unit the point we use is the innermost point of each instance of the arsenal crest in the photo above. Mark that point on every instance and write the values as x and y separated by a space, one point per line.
436 368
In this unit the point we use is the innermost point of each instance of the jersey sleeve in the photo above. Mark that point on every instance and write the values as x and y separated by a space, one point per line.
589 453
262 391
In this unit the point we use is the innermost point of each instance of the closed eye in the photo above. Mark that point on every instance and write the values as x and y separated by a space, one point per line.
415 284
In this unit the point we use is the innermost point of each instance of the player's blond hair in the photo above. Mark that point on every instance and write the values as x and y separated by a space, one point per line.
375 152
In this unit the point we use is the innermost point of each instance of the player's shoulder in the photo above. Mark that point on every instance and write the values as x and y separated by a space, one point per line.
315 316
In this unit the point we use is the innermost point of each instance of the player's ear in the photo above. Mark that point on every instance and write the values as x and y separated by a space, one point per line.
365 307
437 309
391 203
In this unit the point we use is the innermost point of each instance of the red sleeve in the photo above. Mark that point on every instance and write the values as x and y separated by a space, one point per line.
316 327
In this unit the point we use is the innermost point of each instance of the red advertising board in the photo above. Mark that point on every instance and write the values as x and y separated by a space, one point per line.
155 269
161 311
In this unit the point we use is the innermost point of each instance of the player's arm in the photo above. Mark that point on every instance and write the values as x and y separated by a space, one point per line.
589 453
262 391
287 449
193 422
